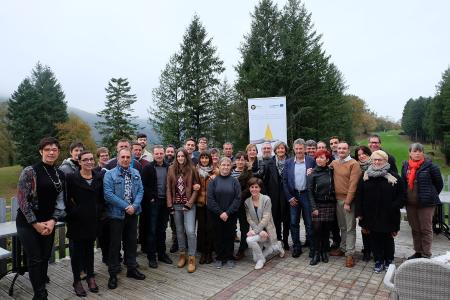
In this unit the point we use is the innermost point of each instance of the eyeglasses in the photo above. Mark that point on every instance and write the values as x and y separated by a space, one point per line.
378 159
50 149
374 143
87 159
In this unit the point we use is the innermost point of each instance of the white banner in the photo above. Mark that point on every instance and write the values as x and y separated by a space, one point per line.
267 120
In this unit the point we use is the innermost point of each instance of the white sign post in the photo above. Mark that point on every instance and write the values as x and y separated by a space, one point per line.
267 120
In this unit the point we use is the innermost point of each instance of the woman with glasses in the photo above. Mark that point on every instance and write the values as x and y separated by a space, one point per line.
40 195
83 206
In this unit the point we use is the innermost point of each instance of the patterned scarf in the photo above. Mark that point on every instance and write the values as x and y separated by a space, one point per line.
365 165
280 165
127 195
413 166
380 172
204 171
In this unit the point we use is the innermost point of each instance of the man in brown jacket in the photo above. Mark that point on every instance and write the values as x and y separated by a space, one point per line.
347 173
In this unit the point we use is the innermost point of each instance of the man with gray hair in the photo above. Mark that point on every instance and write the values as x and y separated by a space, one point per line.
311 147
294 183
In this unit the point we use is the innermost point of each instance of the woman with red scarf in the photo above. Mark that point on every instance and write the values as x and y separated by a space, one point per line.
424 183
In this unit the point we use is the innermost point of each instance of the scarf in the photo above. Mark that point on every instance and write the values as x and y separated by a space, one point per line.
280 165
413 166
128 194
204 171
365 165
380 172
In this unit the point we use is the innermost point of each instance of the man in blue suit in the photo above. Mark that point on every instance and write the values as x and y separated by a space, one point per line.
294 179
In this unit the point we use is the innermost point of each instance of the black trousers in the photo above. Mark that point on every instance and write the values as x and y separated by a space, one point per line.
157 216
204 231
128 229
243 228
38 249
321 235
82 254
224 233
383 246
103 239
282 222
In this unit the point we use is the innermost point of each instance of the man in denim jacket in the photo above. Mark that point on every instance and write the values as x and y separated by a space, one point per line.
123 195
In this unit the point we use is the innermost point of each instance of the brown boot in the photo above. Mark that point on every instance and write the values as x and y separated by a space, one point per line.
191 264
181 260
79 290
349 263
337 252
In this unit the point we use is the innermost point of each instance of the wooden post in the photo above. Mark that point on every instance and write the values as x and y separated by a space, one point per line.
14 208
3 264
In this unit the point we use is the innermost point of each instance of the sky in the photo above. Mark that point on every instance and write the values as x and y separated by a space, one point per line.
387 51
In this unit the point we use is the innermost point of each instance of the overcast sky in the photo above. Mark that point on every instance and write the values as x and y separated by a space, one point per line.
388 51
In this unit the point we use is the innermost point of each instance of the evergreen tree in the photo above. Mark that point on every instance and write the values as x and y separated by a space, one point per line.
34 109
6 142
224 114
443 102
167 114
118 120
200 68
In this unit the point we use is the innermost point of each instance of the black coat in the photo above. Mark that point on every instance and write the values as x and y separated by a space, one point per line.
379 203
428 181
150 183
83 206
320 186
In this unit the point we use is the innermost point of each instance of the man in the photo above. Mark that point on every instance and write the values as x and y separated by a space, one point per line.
123 195
189 146
122 144
266 149
346 174
375 144
334 141
170 154
71 165
228 150
142 139
202 147
294 183
321 146
136 150
311 147
154 207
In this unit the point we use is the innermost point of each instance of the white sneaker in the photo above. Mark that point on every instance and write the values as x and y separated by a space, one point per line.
280 249
260 264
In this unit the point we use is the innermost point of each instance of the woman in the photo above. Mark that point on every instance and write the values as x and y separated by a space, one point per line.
224 200
84 204
181 197
424 182
40 195
215 157
252 157
206 173
362 155
242 174
379 198
262 234
323 204
280 208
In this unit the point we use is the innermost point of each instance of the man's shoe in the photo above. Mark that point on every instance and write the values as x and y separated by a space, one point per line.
135 274
92 285
349 263
208 258
337 252
218 264
79 290
112 282
415 255
239 255
230 264
165 259
379 267
174 248
296 253
152 264
366 256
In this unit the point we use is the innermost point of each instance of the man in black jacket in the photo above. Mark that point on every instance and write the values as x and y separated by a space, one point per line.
154 208
375 144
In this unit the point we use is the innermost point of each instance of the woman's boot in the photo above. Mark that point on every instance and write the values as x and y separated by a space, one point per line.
181 260
315 258
324 256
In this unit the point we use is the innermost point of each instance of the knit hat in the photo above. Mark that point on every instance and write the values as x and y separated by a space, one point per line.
380 154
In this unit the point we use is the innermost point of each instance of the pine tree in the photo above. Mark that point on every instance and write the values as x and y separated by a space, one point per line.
224 114
34 109
443 96
167 113
118 120
200 68
6 141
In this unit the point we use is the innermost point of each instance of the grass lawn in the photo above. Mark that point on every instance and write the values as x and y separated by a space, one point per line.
8 181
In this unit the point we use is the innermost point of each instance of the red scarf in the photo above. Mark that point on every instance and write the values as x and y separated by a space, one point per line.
412 169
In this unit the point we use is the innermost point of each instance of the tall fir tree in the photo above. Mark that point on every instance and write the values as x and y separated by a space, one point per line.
117 116
200 69
166 115
224 111
34 109
443 96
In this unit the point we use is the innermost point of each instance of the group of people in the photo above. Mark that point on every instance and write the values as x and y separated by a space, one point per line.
203 195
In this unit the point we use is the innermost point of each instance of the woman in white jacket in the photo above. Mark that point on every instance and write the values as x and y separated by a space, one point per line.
262 232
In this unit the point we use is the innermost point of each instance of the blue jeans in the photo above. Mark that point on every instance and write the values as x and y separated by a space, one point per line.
303 207
185 224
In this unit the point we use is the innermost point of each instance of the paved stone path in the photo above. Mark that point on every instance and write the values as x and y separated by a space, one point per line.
281 278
